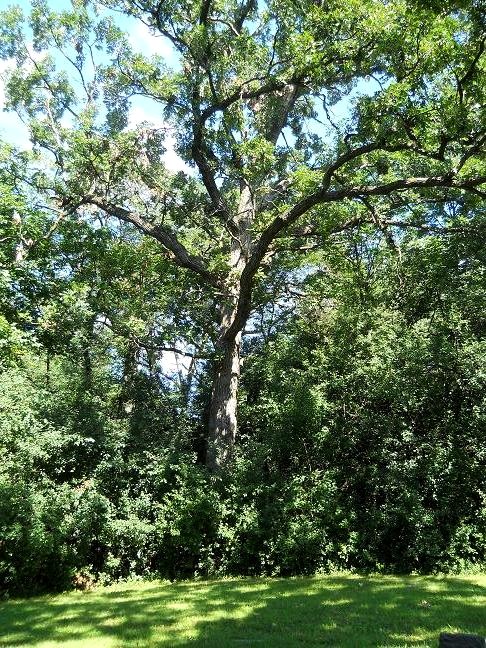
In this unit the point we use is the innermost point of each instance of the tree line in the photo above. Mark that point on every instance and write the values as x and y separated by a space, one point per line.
319 265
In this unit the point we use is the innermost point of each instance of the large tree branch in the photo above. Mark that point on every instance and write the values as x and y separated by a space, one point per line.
199 151
468 75
322 196
203 15
199 156
352 154
476 147
179 253
278 119
241 94
242 13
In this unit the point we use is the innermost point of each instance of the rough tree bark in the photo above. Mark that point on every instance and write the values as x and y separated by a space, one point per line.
223 409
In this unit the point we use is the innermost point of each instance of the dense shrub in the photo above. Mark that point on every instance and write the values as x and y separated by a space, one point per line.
361 445
396 414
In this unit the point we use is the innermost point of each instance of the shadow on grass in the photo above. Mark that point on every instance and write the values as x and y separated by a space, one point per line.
348 611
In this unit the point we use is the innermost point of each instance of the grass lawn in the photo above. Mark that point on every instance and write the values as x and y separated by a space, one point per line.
339 610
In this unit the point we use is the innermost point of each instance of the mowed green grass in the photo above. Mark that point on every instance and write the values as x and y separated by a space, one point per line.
338 610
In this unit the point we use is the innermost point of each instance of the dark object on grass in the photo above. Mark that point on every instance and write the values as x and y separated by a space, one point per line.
447 640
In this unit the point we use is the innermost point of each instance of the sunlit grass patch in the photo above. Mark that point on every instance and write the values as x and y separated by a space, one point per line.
337 610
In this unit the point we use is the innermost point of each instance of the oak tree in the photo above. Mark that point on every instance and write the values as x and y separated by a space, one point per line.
295 120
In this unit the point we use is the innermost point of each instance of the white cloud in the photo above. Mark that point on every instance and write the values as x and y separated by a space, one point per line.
173 161
143 40
147 113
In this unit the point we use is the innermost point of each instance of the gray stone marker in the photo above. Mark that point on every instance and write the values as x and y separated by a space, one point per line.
447 640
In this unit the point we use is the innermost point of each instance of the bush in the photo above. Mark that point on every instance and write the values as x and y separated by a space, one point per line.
186 525
35 552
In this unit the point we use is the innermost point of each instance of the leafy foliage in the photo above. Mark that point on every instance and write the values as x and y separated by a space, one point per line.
327 228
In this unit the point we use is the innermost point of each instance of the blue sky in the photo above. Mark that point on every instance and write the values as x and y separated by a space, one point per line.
142 110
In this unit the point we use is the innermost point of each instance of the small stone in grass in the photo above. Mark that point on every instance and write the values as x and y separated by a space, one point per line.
447 640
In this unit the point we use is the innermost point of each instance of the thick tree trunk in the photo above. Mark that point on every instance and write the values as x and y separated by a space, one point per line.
223 409
222 414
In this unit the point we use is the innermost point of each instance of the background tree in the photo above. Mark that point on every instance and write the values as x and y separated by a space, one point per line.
248 99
